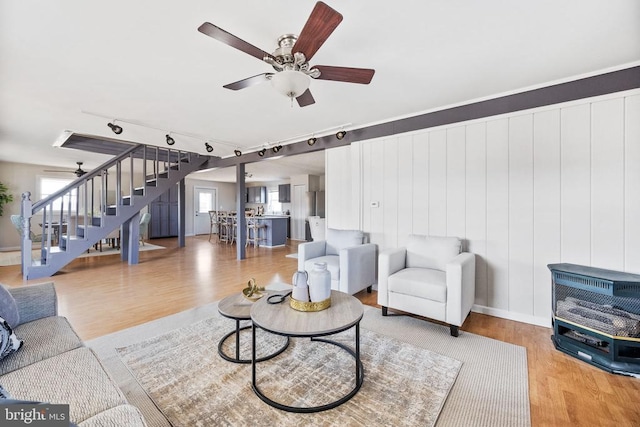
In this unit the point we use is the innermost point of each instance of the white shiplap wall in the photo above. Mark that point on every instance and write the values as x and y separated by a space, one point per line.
556 184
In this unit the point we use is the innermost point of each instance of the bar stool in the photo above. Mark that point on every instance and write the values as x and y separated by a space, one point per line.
223 226
233 227
254 229
213 221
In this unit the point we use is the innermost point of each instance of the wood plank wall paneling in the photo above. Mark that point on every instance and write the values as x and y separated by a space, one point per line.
546 206
607 189
520 227
476 204
390 201
555 184
575 184
632 184
438 183
420 196
456 183
405 191
498 214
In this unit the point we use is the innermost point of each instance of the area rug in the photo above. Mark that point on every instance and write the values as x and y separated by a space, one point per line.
491 388
14 257
193 386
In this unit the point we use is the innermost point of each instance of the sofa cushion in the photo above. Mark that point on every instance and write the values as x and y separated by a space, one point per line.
431 251
42 338
8 307
340 239
75 378
333 265
420 282
9 342
121 415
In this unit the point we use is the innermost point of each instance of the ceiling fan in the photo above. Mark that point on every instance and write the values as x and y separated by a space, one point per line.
79 172
291 59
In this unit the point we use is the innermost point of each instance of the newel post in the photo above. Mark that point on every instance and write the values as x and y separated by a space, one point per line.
25 242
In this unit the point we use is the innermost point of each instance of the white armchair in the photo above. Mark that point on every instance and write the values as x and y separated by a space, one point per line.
431 277
351 262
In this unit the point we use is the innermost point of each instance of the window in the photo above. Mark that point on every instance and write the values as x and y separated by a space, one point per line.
274 205
49 186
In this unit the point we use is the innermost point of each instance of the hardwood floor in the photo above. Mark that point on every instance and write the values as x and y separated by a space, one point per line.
100 295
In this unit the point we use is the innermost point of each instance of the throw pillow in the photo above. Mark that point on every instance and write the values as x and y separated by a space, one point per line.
9 343
8 307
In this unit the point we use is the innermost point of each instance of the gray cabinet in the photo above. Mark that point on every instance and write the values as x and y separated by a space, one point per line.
164 215
284 193
256 194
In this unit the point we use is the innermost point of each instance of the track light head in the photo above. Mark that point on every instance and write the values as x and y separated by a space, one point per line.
311 141
237 152
208 147
115 128
276 148
262 152
341 134
170 141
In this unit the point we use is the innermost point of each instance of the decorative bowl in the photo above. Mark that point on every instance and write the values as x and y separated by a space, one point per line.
310 306
252 292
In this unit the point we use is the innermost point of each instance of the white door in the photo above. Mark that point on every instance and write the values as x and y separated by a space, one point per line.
298 212
205 200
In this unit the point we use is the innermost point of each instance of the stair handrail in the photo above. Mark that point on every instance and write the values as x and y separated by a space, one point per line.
97 171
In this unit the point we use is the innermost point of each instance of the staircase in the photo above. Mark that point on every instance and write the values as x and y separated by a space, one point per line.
87 210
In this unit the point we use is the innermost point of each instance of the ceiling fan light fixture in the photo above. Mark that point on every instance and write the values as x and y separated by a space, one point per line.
262 152
290 83
115 128
237 152
341 134
170 141
208 147
312 140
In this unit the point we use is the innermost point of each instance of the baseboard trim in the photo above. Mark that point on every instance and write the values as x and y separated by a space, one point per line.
10 249
509 315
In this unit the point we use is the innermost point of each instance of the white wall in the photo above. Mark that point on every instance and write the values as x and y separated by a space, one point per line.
555 184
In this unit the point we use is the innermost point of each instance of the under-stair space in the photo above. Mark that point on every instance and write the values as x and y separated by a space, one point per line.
90 208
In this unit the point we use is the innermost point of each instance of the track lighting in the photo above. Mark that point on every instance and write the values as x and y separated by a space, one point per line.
115 128
341 134
311 140
262 152
170 141
277 148
208 147
237 152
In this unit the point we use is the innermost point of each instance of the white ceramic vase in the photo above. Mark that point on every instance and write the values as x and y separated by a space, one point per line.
319 282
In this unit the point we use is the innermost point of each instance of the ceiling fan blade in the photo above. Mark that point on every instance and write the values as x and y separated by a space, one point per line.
249 81
305 99
233 41
321 23
345 74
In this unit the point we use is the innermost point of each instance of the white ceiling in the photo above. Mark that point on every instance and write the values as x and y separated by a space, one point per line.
145 62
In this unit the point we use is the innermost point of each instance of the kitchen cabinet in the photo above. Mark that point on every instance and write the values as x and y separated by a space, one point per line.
284 193
256 194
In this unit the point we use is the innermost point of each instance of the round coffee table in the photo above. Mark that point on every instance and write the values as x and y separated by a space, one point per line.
345 312
238 308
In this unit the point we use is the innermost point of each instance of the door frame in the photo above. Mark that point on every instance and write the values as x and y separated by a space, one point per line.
196 203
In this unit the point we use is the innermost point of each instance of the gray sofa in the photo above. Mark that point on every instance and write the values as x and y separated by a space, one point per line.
54 366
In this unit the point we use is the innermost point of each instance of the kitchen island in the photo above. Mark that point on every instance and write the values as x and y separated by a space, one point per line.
275 231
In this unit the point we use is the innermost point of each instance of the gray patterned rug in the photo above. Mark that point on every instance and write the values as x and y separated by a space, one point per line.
491 389
193 386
